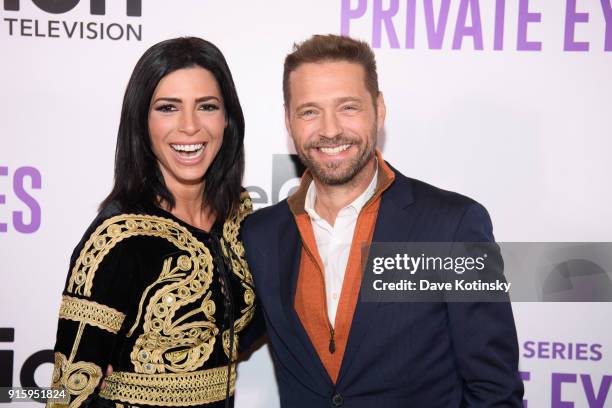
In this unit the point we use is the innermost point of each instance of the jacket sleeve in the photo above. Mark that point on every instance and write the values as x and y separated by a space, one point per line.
484 335
92 311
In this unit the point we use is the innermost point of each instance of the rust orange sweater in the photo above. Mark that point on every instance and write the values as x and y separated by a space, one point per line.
310 303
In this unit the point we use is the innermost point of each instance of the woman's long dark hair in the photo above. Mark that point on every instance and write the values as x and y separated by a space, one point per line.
138 180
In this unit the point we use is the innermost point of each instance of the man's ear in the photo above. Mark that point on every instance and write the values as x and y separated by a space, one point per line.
287 113
381 110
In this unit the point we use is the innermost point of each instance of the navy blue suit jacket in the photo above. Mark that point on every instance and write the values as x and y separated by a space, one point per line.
398 354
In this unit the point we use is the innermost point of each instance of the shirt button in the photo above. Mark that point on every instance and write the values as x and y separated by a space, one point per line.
337 400
335 296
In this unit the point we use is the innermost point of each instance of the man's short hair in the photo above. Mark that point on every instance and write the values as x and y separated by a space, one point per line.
332 48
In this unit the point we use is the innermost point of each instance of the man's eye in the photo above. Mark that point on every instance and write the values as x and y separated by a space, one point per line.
350 108
166 108
209 107
308 113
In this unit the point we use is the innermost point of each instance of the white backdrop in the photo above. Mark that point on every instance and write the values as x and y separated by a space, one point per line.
525 132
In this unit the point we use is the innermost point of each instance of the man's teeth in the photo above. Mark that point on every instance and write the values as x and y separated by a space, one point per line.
334 150
190 148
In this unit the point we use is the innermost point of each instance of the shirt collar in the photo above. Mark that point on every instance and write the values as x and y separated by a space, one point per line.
385 176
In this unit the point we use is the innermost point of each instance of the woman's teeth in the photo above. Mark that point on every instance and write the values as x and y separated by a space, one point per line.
334 150
188 150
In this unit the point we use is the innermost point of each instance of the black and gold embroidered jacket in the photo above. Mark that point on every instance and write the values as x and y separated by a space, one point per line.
155 298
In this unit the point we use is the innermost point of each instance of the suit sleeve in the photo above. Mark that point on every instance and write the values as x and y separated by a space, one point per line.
484 335
92 313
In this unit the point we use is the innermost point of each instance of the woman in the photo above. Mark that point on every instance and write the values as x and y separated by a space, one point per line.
158 286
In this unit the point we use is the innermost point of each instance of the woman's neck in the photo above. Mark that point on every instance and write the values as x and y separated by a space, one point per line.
189 206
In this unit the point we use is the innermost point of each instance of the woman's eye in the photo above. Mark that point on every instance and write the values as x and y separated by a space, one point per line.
209 107
165 108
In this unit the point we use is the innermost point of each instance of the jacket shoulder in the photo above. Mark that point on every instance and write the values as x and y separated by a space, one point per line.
454 215
268 217
435 197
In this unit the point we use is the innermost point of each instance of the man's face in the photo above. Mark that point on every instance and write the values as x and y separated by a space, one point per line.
332 119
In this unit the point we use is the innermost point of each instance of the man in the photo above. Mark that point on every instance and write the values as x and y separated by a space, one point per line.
329 348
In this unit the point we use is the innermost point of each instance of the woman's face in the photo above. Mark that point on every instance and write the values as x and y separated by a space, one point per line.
186 124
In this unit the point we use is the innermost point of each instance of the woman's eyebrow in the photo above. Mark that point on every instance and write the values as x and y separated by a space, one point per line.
179 100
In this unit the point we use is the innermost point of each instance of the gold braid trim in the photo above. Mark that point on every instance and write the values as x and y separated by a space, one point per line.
171 340
116 229
169 389
92 313
234 250
80 379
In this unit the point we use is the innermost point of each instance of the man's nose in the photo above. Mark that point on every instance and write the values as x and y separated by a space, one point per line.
330 125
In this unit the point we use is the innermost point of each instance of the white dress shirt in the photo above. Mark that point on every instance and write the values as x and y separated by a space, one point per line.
334 242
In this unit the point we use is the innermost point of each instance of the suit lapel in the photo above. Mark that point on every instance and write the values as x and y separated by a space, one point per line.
391 225
290 249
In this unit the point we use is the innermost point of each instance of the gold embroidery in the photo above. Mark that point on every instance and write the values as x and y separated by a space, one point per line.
80 379
231 227
172 344
234 250
169 389
92 313
116 229
170 341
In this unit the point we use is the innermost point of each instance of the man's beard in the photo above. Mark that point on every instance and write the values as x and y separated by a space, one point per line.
331 173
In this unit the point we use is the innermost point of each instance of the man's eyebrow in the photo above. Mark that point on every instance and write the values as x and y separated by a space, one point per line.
179 100
347 99
306 105
341 100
